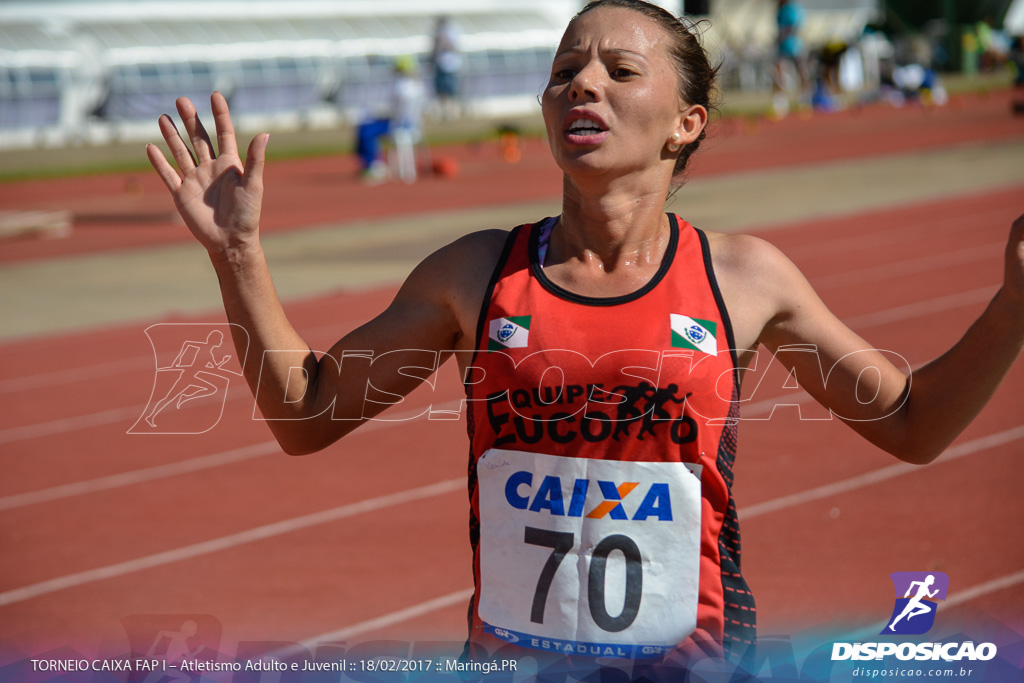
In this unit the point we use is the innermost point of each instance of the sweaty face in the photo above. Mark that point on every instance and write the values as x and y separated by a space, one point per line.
612 102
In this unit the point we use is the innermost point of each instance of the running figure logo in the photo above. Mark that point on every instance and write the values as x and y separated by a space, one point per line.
171 639
914 613
197 372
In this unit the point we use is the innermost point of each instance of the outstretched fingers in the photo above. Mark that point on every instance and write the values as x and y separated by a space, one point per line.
196 132
163 169
226 143
179 150
255 158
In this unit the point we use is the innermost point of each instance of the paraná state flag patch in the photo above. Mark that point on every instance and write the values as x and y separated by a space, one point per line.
693 333
512 332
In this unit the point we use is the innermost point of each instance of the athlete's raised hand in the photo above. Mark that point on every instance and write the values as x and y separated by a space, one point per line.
218 197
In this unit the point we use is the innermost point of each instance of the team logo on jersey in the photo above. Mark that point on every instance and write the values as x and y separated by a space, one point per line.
693 333
914 612
512 332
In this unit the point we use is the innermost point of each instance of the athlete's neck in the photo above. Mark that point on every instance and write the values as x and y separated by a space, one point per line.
611 230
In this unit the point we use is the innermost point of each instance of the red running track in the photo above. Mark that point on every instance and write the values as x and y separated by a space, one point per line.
99 526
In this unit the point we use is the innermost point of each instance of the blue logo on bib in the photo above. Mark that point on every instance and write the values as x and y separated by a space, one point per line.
696 333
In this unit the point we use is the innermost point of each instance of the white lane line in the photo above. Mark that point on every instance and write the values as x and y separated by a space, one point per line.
203 462
376 624
922 308
48 379
982 589
875 476
910 266
70 424
103 417
98 419
42 380
214 545
138 476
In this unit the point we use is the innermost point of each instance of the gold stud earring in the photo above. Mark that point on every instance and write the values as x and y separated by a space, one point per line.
674 146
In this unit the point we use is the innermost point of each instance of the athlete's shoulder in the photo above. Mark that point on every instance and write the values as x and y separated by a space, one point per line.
759 284
481 244
454 278
468 259
752 258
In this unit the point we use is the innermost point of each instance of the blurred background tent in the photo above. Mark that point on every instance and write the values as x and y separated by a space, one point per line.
95 71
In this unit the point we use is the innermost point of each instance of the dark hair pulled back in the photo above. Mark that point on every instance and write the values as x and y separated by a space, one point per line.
696 75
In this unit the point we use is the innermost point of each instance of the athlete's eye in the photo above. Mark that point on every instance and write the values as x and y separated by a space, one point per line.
623 73
564 74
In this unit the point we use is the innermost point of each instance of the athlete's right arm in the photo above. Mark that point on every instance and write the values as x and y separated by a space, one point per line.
307 409
309 401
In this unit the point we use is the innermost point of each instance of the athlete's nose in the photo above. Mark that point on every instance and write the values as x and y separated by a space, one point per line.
585 83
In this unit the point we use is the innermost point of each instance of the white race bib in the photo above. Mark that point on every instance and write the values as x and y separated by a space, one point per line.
583 556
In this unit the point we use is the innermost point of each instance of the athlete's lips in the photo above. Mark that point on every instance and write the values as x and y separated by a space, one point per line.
578 137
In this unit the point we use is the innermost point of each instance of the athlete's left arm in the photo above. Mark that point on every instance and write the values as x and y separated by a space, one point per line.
913 418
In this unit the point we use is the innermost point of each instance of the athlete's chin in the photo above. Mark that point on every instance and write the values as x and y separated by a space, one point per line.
588 169
588 165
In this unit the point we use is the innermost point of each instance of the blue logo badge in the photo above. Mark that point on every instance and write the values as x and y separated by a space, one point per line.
916 596
506 332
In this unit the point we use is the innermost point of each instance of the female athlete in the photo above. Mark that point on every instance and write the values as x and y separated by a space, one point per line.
601 352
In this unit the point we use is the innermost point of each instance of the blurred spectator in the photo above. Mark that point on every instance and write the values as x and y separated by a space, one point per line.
915 83
369 131
1016 56
831 57
408 101
993 46
402 124
790 63
447 63
875 48
969 52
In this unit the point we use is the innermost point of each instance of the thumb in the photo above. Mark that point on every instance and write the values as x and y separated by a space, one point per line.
255 159
1015 246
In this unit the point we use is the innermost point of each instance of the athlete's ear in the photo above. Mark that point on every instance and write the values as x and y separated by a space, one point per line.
692 119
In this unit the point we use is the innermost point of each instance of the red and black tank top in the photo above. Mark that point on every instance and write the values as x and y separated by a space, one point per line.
603 433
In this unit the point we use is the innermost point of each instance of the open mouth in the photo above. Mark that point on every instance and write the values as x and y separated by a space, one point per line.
585 127
585 130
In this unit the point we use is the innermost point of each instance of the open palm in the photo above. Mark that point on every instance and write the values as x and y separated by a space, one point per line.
218 197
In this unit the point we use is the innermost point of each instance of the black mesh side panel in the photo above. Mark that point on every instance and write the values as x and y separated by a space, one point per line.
740 611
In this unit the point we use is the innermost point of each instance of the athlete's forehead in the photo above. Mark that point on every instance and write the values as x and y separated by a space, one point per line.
613 30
